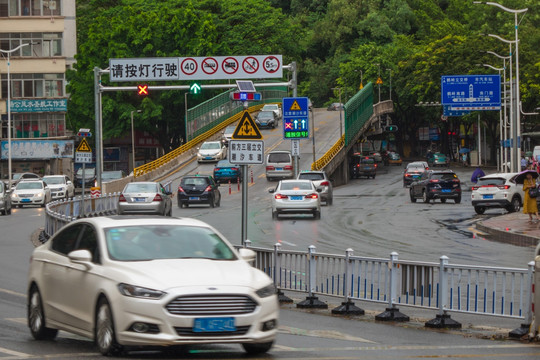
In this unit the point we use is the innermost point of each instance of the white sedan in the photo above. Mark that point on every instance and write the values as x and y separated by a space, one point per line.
212 151
296 197
60 185
149 281
31 192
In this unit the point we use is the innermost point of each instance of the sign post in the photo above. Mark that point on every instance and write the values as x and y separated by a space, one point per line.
83 155
246 147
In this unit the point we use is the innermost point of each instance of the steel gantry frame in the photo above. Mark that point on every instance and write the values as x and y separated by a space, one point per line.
99 89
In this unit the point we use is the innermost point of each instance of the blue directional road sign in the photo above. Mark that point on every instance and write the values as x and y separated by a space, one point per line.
295 118
447 111
471 92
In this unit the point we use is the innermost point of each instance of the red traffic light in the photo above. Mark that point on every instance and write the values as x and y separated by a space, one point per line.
142 89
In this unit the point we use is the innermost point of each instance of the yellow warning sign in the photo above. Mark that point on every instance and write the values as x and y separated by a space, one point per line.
379 81
295 106
83 146
247 129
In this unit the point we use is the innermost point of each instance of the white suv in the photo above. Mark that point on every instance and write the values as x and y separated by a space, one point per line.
497 191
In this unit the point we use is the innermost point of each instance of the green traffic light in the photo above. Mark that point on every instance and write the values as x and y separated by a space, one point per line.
195 89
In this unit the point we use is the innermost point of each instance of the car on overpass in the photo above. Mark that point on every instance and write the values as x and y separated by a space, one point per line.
211 151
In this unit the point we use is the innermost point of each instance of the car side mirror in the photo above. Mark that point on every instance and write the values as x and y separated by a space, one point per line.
319 190
271 191
247 254
69 182
82 257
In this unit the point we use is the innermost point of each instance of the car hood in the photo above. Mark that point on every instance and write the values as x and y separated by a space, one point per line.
57 186
172 273
28 191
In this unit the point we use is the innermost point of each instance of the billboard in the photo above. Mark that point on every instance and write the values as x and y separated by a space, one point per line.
38 149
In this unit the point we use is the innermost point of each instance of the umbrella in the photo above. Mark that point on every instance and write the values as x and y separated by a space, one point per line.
523 175
464 150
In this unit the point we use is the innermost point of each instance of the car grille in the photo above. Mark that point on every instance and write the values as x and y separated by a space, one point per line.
183 331
26 195
212 305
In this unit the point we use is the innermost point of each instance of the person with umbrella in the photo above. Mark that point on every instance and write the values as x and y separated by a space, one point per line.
528 178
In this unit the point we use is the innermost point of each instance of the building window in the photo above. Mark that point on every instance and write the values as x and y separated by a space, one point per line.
41 44
30 8
30 125
33 86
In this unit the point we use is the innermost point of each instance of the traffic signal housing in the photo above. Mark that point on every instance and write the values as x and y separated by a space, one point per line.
391 128
142 89
195 88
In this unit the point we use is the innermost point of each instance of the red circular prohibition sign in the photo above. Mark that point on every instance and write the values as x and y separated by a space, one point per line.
230 65
250 65
268 65
190 68
209 66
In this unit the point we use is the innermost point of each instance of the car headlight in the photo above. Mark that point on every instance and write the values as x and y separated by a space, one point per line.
139 292
266 291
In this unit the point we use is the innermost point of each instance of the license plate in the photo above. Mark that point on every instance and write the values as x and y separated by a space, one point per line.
214 324
194 198
446 190
279 169
297 197
208 158
487 196
25 200
139 199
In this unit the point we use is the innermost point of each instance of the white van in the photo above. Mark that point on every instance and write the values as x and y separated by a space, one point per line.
279 165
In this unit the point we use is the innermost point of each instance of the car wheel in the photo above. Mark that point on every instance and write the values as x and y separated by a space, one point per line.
443 200
105 335
36 317
317 215
514 206
274 215
411 195
457 200
479 209
259 348
425 197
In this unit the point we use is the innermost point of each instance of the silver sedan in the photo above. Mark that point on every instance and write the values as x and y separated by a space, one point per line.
145 198
296 197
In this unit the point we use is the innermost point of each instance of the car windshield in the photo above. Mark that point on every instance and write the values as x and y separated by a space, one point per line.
140 188
415 169
311 176
53 180
30 185
490 181
16 176
230 129
265 115
368 161
153 242
443 176
87 172
194 181
296 185
279 158
211 146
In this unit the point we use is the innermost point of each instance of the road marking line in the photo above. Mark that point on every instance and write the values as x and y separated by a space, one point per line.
12 292
14 353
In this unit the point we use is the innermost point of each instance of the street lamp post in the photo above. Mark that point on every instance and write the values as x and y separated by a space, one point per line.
133 140
379 82
501 155
340 109
390 83
516 41
8 106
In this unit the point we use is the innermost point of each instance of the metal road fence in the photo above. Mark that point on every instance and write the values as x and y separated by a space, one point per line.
445 287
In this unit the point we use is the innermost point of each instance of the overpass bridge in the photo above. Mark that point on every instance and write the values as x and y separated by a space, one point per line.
362 119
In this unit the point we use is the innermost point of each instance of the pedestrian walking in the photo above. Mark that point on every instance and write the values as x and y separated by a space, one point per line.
477 173
529 203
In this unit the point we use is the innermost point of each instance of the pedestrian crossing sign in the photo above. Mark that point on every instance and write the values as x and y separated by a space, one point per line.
83 146
247 129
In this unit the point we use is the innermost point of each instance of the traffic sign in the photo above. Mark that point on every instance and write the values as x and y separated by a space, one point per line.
84 147
379 81
243 152
247 129
447 111
245 96
195 89
142 90
471 92
83 157
196 68
295 118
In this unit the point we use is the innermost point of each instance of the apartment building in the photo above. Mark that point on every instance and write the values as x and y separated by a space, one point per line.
37 45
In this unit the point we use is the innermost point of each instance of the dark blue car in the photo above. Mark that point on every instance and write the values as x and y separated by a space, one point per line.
225 171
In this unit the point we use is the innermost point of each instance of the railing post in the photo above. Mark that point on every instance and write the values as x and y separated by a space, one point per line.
312 301
276 274
524 328
443 320
392 313
347 307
